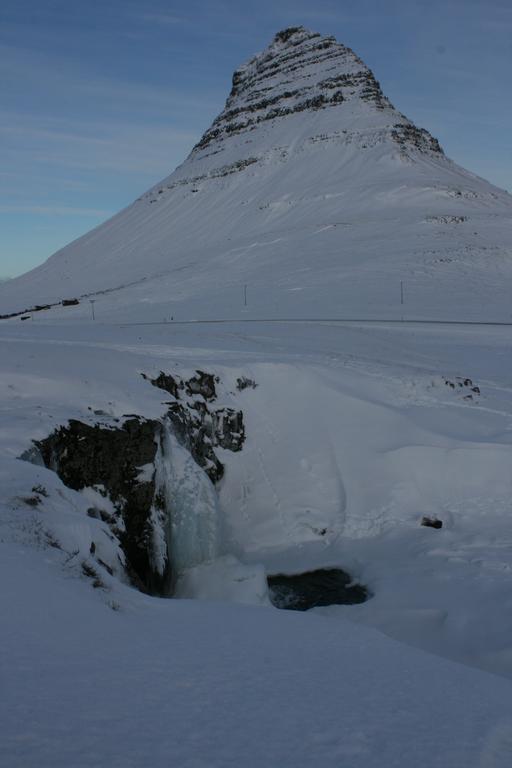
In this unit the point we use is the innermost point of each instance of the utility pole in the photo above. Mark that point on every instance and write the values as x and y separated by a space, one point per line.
92 308
245 295
401 292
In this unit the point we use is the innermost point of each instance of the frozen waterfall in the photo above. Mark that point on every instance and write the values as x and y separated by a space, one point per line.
191 502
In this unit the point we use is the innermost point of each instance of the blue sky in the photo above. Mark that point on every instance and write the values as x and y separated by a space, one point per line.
101 99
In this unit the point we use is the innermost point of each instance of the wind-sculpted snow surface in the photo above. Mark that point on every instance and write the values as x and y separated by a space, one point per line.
191 684
351 437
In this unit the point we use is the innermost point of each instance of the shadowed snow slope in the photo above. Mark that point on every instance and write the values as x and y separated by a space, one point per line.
192 684
311 188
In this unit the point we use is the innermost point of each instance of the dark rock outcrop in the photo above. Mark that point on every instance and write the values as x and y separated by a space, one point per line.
326 586
110 459
465 385
167 382
35 308
407 134
431 522
198 426
121 461
202 384
289 77
245 383
216 173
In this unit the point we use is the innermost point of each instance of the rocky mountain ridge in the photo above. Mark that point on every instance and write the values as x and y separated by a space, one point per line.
304 71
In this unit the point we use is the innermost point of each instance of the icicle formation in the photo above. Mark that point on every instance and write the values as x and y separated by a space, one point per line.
191 501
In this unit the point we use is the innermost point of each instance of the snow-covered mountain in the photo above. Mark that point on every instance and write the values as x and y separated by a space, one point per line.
209 461
311 189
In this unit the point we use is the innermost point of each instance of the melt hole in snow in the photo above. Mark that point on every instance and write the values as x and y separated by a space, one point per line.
326 586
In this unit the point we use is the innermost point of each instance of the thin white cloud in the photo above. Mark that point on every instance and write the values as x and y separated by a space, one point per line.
56 210
49 74
28 141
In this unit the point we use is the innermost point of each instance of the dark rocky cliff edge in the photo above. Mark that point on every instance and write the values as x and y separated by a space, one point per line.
122 463
119 462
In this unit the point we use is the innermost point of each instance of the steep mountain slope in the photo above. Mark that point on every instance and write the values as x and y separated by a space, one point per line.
312 189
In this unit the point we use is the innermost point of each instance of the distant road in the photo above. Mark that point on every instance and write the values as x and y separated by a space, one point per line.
340 320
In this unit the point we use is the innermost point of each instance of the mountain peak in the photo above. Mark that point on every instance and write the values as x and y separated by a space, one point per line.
294 35
310 185
305 72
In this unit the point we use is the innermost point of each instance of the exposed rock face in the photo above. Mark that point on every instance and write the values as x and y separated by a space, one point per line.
299 72
245 383
305 71
327 586
406 134
119 462
201 430
216 173
431 522
202 384
199 427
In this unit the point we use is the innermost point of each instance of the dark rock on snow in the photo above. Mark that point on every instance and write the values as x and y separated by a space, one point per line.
431 522
199 427
326 586
110 458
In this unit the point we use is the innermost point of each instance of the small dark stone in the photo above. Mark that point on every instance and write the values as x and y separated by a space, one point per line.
32 501
243 383
40 490
326 586
431 522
